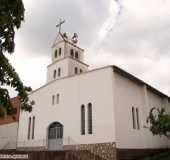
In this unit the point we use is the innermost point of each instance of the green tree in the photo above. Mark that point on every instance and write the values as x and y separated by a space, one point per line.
159 122
11 16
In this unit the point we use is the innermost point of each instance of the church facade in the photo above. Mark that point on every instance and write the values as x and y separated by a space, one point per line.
100 110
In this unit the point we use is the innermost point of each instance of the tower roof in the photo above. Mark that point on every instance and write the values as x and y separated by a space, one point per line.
58 39
62 37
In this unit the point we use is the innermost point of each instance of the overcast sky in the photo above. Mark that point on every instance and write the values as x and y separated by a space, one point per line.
132 34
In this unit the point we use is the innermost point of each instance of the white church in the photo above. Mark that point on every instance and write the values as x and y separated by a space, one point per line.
102 110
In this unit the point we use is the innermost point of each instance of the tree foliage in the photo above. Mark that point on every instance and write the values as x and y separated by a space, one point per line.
11 16
159 122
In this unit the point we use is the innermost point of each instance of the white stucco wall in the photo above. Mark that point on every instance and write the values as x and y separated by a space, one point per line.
65 61
61 45
128 94
95 87
8 135
112 96
63 65
67 67
79 65
69 46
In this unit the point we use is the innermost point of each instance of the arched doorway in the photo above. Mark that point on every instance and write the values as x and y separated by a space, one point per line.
55 136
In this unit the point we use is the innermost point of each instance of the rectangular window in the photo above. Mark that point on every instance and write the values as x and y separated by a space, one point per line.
137 118
58 98
54 74
59 72
76 55
29 128
53 99
59 51
82 120
33 127
72 53
133 118
55 54
90 118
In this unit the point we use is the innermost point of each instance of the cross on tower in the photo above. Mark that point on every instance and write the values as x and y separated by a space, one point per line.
59 24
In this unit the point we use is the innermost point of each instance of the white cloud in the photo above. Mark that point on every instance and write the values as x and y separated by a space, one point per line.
137 41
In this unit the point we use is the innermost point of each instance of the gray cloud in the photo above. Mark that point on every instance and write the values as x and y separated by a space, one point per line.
38 31
138 41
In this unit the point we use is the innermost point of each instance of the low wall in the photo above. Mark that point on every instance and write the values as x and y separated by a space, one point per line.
105 151
8 135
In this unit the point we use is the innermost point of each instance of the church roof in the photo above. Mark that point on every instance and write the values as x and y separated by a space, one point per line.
60 38
139 81
122 73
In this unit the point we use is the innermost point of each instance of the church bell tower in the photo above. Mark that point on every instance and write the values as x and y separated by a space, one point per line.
67 57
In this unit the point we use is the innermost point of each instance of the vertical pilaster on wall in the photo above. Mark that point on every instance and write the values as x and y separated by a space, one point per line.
167 109
146 104
166 105
146 109
114 102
